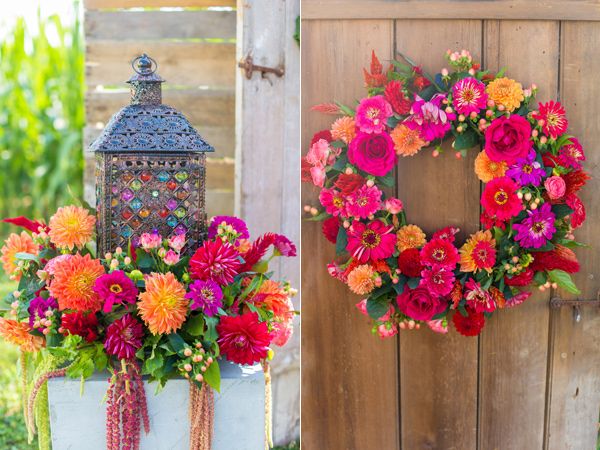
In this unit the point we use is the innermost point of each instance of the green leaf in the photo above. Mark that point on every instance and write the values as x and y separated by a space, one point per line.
563 279
413 282
378 307
177 343
546 248
211 329
25 256
341 163
213 376
194 326
388 181
154 363
341 241
255 284
337 144
319 217
144 260
561 210
346 109
465 140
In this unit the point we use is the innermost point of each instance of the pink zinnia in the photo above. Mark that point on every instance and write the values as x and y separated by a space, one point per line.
537 229
571 155
468 95
447 234
372 114
333 201
243 339
115 288
477 298
439 251
364 202
124 337
500 199
553 118
431 117
206 296
371 242
438 279
215 260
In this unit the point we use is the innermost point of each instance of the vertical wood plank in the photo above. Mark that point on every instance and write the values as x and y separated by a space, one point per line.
514 344
574 396
438 373
349 390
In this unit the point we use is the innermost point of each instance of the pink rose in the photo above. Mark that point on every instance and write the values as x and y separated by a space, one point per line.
362 306
171 258
177 242
318 153
508 138
419 304
373 153
386 330
555 186
393 205
318 175
149 241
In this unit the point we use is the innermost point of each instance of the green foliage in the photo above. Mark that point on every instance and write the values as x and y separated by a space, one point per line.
41 117
291 446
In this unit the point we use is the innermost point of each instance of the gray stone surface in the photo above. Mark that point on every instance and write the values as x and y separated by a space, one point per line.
78 422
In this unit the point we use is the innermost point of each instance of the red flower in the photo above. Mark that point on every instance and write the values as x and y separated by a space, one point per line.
348 183
517 299
489 222
560 257
395 96
28 224
80 324
373 153
500 200
447 234
305 168
409 262
375 77
575 181
124 337
243 339
470 325
215 260
330 229
508 138
419 304
421 82
553 117
439 251
372 241
323 134
523 279
578 216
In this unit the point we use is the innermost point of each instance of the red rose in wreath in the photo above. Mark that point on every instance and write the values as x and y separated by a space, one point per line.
508 138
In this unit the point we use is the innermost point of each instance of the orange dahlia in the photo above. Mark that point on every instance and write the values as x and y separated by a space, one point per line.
487 170
343 129
506 92
478 253
16 243
17 333
73 282
407 141
410 236
272 296
163 306
361 280
71 226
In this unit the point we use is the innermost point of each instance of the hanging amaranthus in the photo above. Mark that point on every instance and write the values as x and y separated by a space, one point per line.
202 416
126 408
268 407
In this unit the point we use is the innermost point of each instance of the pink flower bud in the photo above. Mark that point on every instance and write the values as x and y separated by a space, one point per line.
171 258
444 72
199 378
393 205
177 242
187 352
187 367
149 241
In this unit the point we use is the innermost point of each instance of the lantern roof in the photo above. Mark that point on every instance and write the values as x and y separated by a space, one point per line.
146 125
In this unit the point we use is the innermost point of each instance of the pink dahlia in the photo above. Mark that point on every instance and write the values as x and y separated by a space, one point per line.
372 114
553 118
537 229
283 246
364 202
333 201
115 288
431 117
371 242
124 337
215 260
438 279
468 95
373 153
499 199
441 252
571 155
243 339
478 299
206 296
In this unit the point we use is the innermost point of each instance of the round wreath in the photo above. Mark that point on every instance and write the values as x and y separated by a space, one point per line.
532 173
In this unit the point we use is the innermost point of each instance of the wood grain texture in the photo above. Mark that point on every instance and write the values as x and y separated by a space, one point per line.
574 397
112 4
438 373
349 377
181 63
514 343
155 25
440 9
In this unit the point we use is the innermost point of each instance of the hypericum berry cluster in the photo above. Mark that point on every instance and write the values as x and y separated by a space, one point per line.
117 260
195 362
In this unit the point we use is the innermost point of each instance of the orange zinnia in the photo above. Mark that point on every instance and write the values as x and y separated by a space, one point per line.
407 142
343 129
272 296
71 226
163 306
16 243
410 236
487 170
506 92
73 280
17 333
361 280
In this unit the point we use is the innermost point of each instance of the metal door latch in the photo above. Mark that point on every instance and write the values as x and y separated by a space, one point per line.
558 302
249 67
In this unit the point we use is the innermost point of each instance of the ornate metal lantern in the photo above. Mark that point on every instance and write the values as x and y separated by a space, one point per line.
150 169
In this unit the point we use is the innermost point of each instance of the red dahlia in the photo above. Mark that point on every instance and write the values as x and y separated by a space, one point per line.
470 325
409 262
323 134
215 260
80 324
124 337
330 229
348 183
243 339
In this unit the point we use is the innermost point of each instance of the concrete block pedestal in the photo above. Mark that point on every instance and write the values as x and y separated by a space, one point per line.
79 422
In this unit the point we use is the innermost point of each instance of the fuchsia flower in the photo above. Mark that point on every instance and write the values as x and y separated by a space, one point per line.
370 242
447 234
419 304
537 229
318 154
243 339
438 279
206 296
431 117
527 170
333 201
38 307
441 252
238 225
500 200
215 260
438 326
364 202
508 138
553 118
478 299
124 337
386 330
372 114
578 216
150 241
115 288
362 306
571 155
468 95
373 154
284 246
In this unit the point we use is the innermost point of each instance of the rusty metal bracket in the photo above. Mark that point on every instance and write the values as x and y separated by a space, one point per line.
249 67
558 302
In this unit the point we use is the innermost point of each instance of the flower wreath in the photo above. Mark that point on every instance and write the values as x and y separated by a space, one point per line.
532 173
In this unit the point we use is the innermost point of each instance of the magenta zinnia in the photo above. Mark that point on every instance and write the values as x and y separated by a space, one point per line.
371 242
206 296
438 279
124 337
478 299
333 201
553 118
215 260
243 339
115 288
364 202
439 251
537 229
499 199
468 95
372 114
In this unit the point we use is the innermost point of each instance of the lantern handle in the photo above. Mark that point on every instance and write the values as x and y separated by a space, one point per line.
145 63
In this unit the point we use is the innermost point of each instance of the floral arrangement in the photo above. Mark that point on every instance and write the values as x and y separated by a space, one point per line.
146 311
531 167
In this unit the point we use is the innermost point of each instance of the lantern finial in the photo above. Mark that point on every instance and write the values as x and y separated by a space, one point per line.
145 82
